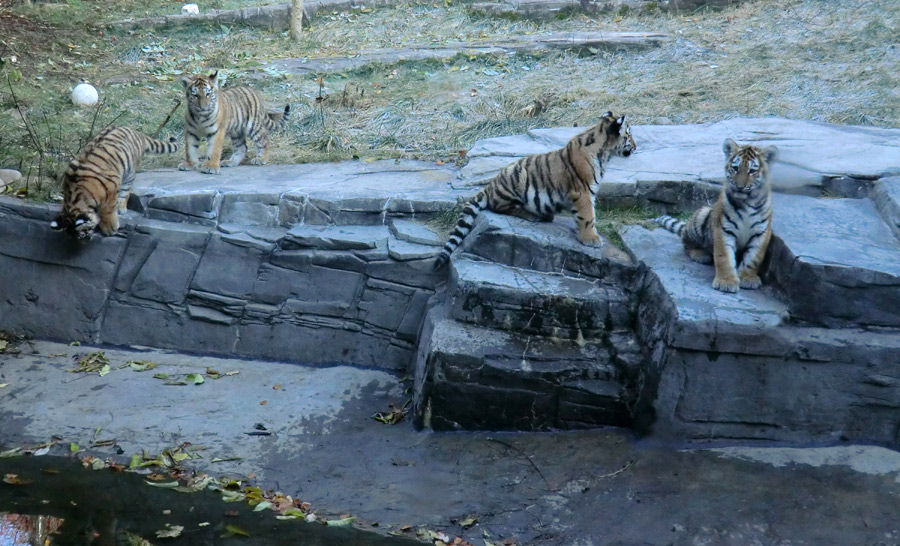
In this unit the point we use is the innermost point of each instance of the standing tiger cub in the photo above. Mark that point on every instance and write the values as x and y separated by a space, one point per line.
538 186
734 233
91 183
235 112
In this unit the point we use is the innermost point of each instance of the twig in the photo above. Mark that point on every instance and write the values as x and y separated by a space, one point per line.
163 124
527 458
628 465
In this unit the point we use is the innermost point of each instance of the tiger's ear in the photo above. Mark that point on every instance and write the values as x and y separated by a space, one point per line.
729 147
185 82
213 78
769 154
616 126
608 114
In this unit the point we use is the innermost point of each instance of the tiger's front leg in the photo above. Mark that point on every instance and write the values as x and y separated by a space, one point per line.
109 217
753 259
723 256
191 150
583 209
216 143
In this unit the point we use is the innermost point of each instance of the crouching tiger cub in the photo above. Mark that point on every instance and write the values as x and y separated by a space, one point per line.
538 186
91 183
735 232
235 112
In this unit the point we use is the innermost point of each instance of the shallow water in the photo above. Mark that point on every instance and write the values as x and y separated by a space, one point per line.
71 505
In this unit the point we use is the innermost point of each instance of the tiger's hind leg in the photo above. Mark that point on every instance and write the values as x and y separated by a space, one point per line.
261 138
239 143
699 255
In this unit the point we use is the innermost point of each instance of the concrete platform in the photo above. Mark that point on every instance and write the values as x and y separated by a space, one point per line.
598 487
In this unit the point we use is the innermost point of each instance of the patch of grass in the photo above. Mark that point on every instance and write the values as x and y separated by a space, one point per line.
609 220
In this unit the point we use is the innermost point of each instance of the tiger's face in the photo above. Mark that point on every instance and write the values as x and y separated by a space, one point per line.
201 91
611 136
747 167
77 224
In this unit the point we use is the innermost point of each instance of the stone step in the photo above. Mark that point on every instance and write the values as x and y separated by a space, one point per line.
546 246
737 365
474 378
837 261
533 302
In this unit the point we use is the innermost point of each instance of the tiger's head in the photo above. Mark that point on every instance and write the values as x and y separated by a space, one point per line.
747 167
79 224
610 136
201 91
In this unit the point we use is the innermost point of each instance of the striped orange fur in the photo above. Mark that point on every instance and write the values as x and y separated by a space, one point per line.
734 233
92 182
538 186
236 112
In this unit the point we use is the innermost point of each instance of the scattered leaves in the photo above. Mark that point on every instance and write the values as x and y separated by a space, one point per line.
195 378
93 362
394 415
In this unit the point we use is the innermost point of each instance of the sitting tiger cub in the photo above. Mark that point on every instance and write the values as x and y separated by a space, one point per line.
538 186
735 232
235 112
92 182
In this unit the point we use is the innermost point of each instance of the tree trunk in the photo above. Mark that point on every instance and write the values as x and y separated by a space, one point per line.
296 19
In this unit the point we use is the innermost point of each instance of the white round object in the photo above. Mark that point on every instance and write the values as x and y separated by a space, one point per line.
190 9
85 94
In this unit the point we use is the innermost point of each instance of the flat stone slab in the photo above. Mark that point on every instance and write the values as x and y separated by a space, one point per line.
324 448
837 261
886 196
414 232
809 153
704 318
349 192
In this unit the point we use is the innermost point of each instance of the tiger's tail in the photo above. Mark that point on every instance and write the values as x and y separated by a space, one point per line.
674 225
278 120
153 146
463 227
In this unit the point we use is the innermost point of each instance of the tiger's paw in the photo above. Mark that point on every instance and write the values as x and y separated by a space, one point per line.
700 256
227 163
590 239
185 166
257 161
209 169
751 282
730 284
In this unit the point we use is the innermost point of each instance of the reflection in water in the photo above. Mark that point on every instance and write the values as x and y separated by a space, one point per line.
55 502
27 529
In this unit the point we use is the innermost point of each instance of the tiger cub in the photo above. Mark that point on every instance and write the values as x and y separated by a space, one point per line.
92 182
735 232
538 186
235 112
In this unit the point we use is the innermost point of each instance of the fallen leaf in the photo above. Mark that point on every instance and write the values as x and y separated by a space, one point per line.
277 387
170 532
42 451
73 447
341 522
2 385
263 402
196 378
235 530
14 479
468 522
161 375
3 345
164 485
14 452
141 365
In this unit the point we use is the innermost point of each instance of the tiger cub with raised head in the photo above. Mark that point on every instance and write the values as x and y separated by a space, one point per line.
235 112
734 233
538 186
92 182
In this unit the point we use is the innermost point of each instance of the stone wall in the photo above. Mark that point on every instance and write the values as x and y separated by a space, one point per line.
309 293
